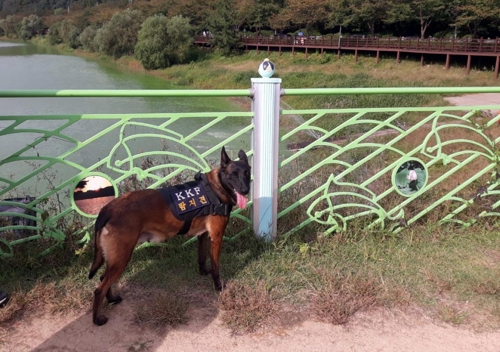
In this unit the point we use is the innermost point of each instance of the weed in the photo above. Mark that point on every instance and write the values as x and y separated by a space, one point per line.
162 309
245 308
343 295
451 315
140 346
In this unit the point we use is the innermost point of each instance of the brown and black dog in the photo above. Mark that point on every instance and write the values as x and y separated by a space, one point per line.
144 215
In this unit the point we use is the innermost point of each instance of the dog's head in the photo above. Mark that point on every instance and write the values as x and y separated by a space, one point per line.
235 176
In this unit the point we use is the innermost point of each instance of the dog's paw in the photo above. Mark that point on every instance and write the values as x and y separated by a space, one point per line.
204 271
100 320
115 299
219 286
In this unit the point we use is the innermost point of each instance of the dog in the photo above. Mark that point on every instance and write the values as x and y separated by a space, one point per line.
144 215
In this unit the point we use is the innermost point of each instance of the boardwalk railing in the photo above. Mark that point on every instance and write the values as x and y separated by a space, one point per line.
318 170
480 46
455 47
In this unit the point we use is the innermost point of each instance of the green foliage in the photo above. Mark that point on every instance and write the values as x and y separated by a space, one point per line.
72 37
180 35
163 42
473 13
118 37
8 26
243 77
87 39
64 32
54 35
221 25
401 17
29 27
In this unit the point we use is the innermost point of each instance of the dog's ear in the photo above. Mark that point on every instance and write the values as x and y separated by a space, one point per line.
224 159
243 156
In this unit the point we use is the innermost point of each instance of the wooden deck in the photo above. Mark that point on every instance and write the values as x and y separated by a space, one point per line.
466 48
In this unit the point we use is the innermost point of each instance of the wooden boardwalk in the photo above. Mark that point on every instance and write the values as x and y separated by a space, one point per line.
466 48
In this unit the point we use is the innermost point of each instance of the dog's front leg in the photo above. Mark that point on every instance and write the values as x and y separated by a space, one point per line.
202 253
215 251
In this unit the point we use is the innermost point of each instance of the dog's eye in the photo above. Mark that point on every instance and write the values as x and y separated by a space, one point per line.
234 174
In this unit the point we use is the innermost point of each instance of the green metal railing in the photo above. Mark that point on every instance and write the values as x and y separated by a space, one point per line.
387 167
363 175
46 157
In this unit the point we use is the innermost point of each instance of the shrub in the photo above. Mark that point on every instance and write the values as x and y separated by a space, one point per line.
118 37
64 32
54 33
29 27
163 42
72 37
8 26
87 39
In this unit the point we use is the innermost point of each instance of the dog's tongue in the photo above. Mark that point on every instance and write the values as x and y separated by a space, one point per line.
241 200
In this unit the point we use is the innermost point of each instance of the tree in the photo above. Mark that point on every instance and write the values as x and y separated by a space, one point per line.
118 37
29 27
180 34
63 32
151 48
368 13
424 11
307 13
473 12
163 42
197 11
281 20
8 26
87 39
11 6
339 14
221 25
256 13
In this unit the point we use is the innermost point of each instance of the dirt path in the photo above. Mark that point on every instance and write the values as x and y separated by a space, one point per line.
374 331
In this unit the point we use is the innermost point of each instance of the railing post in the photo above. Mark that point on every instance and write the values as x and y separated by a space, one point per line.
265 144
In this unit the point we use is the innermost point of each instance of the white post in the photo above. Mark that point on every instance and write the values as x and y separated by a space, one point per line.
265 144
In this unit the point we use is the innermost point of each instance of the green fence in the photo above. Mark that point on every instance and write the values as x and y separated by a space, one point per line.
391 168
387 167
45 159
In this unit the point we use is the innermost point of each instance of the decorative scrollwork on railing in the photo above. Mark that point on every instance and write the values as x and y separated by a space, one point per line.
451 154
49 159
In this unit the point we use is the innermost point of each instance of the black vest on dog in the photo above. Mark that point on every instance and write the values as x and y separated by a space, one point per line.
194 199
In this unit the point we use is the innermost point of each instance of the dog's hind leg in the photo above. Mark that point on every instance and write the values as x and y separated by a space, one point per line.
202 253
111 275
115 299
114 268
215 250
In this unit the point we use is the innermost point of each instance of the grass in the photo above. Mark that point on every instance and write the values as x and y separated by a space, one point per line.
451 273
162 309
245 307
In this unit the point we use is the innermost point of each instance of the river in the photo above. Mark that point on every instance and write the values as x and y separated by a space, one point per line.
25 66
28 66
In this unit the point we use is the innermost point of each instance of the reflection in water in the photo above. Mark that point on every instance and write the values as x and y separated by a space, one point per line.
92 193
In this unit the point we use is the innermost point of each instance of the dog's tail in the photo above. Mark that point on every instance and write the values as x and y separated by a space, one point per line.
101 221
